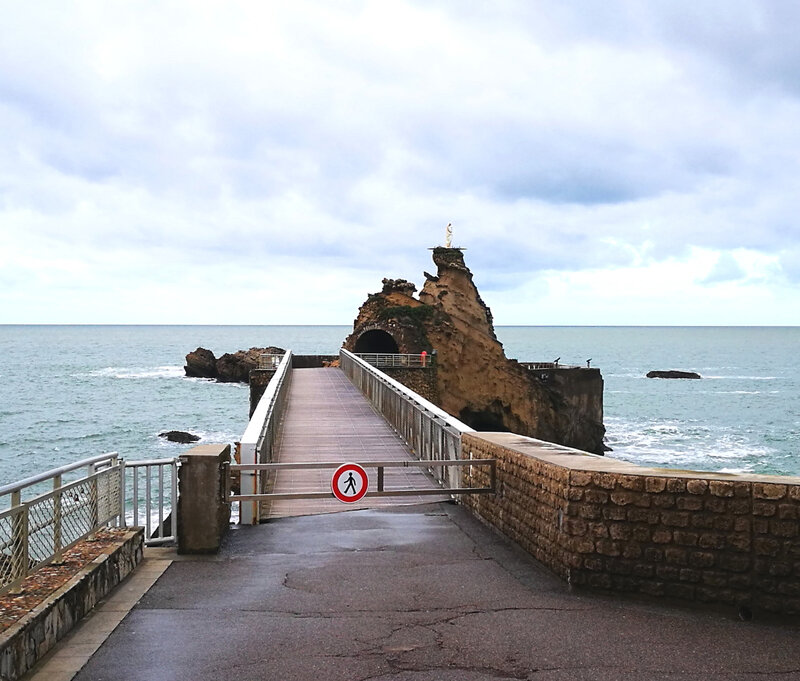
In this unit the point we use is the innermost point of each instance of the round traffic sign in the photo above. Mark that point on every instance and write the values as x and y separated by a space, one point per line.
349 483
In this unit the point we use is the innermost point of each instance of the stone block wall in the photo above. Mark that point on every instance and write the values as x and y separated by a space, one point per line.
421 381
725 539
36 633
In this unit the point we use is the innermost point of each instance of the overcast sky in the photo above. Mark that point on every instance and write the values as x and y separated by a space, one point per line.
603 162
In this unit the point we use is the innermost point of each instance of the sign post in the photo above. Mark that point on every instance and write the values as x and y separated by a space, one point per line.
349 483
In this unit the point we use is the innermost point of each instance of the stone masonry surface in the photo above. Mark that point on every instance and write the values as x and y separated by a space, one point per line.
34 634
730 540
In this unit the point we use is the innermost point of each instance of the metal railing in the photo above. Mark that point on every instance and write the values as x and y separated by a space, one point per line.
429 432
269 361
151 499
380 467
417 361
37 530
537 366
258 439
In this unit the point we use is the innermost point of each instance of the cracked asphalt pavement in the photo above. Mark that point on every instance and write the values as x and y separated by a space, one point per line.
414 594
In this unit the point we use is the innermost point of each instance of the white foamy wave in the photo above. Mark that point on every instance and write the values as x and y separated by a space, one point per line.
138 372
678 444
206 437
741 378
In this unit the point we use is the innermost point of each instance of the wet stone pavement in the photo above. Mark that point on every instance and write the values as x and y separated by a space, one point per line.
414 594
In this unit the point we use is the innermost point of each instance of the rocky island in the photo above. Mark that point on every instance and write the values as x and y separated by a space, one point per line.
673 373
474 380
229 368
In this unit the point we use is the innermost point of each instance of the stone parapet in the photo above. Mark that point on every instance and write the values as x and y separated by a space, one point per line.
732 540
33 635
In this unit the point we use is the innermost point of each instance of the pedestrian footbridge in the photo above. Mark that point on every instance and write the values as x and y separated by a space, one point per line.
310 421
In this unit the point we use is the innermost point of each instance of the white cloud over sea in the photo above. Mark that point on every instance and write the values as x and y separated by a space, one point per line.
619 162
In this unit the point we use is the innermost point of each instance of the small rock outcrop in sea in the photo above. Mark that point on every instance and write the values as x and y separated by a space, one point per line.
672 373
230 368
179 436
476 381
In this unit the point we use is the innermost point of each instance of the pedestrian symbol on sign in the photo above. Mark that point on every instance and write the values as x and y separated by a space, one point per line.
349 483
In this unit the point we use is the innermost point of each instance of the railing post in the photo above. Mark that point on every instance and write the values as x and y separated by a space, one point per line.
93 514
174 499
57 518
19 540
122 521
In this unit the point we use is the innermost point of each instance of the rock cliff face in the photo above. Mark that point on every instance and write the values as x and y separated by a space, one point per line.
476 381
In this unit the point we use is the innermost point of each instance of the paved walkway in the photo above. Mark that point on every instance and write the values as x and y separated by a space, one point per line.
417 593
328 419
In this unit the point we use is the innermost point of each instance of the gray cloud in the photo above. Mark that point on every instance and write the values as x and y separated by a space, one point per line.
558 137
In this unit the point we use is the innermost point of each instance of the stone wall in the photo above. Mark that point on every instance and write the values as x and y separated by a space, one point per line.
313 361
30 638
580 387
421 381
729 540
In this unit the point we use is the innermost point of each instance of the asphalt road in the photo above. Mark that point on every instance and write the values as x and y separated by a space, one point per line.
414 594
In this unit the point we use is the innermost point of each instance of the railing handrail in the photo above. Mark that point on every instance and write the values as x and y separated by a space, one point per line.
53 472
152 462
430 433
38 530
259 436
397 359
428 406
259 420
548 365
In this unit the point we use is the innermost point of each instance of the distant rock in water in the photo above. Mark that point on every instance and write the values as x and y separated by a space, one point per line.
179 436
672 373
230 368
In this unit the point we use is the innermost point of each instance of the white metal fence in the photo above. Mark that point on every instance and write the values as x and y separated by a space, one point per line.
258 439
269 360
37 524
44 515
151 499
430 432
382 360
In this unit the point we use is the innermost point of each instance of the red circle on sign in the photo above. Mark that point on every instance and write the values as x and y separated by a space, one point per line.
349 483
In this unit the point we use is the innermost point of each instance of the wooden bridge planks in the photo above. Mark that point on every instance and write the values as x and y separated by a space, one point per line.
328 419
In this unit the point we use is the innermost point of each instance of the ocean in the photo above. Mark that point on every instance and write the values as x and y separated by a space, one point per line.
69 392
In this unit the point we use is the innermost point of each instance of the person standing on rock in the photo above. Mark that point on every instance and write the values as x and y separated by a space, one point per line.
423 357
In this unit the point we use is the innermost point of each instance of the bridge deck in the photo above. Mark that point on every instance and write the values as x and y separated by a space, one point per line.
328 419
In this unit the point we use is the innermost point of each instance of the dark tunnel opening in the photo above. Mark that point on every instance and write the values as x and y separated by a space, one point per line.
376 341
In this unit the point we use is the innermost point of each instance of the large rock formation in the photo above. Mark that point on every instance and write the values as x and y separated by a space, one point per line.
230 368
476 381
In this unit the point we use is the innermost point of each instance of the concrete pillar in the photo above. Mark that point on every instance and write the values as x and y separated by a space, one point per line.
203 509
